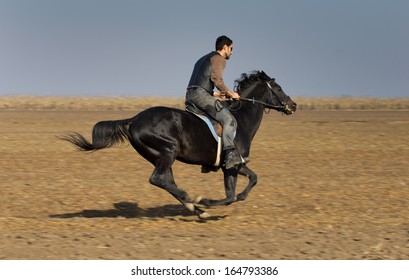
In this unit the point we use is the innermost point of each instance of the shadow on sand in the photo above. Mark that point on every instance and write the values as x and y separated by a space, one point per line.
131 210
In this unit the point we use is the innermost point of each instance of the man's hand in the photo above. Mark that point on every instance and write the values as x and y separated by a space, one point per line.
219 94
234 95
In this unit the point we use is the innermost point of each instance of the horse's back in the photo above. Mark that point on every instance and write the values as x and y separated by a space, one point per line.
159 114
172 128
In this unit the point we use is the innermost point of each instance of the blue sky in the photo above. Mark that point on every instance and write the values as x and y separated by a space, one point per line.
148 48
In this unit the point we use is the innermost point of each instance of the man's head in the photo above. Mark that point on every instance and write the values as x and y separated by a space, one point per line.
224 45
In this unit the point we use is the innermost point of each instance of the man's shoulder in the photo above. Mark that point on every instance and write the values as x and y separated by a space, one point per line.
208 55
215 54
212 54
217 58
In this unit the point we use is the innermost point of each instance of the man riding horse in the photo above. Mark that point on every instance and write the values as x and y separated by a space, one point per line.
208 74
163 135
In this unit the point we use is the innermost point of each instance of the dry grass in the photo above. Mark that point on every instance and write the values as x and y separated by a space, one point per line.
85 103
351 103
135 103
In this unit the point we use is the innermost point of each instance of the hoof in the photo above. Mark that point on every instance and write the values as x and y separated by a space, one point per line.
198 199
204 215
240 197
190 206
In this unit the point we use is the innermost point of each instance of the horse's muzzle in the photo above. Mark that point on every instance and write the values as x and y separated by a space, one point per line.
290 109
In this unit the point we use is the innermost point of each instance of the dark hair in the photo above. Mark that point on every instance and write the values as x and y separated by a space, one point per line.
221 41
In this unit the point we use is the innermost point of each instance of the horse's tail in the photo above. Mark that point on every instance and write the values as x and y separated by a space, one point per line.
104 135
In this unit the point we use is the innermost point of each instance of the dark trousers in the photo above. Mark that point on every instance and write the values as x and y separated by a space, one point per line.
206 102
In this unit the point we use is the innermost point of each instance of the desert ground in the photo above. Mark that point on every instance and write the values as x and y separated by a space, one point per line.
332 184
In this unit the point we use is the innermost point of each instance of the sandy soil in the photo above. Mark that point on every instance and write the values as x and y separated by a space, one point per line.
332 185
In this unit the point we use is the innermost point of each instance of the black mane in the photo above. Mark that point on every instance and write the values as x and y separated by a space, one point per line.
246 80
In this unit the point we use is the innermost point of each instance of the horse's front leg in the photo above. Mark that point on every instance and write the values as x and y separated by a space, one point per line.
252 182
230 181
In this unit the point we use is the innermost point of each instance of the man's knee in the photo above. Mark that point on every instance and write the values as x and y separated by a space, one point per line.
230 123
225 116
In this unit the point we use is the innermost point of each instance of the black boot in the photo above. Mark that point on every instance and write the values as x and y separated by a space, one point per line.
232 159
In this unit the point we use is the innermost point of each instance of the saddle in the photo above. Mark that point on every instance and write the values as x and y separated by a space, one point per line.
216 130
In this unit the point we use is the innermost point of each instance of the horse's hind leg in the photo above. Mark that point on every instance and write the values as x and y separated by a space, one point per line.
162 177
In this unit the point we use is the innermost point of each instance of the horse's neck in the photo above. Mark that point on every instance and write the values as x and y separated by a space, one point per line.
250 115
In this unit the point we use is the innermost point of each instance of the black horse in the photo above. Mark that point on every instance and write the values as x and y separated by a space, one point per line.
162 135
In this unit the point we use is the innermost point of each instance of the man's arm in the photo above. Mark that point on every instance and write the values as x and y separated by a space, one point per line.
216 75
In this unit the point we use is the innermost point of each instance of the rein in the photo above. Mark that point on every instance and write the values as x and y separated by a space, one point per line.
275 107
281 108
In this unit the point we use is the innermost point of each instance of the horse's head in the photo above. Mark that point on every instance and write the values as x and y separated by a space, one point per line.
280 99
264 90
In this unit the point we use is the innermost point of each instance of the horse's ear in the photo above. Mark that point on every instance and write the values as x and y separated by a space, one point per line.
264 75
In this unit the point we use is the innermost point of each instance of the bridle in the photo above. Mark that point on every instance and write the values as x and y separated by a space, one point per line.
282 108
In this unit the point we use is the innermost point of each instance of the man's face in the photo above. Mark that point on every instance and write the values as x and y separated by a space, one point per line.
228 51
